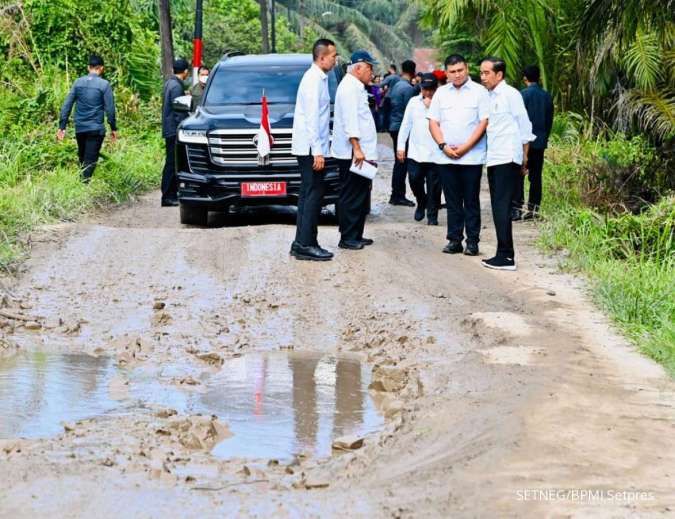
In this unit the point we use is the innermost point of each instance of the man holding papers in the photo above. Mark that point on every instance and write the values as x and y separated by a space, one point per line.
355 147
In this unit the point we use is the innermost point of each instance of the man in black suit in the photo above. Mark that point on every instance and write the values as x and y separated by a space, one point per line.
539 107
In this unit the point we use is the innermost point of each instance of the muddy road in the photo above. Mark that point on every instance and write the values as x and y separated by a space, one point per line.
492 394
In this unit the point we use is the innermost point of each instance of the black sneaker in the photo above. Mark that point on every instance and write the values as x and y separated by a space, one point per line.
419 213
499 263
453 247
471 249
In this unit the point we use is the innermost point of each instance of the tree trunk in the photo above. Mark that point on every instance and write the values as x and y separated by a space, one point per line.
264 27
166 38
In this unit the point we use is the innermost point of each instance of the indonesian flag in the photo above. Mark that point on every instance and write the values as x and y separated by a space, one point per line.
264 138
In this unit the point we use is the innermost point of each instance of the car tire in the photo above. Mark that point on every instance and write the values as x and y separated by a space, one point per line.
193 215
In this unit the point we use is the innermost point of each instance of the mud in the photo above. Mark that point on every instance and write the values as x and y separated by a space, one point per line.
501 394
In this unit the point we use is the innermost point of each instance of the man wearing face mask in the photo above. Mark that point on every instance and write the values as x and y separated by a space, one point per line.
197 90
174 87
93 98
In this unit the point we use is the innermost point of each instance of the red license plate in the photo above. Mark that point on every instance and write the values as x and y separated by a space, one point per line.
250 189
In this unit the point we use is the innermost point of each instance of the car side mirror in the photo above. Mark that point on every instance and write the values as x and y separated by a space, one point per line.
182 104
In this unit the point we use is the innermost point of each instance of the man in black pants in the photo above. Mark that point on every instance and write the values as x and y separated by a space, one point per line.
311 144
401 93
509 133
539 105
173 88
93 98
457 120
354 142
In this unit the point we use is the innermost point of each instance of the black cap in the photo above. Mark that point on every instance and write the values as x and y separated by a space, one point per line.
429 81
363 56
95 61
180 65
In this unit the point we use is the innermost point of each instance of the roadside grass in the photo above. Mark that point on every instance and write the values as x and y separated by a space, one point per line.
629 259
40 182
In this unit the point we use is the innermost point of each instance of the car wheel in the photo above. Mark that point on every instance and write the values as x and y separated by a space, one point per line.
193 215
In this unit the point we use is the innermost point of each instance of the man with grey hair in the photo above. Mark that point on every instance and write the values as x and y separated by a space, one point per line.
354 142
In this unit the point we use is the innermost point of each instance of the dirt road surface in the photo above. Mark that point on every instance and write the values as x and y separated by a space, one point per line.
503 394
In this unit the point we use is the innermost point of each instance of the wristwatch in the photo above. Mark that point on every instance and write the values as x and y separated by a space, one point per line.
442 146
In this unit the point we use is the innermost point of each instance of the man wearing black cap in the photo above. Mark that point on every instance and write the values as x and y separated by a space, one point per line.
94 98
173 88
354 142
422 151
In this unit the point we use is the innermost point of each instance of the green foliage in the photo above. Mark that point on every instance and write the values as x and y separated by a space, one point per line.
628 258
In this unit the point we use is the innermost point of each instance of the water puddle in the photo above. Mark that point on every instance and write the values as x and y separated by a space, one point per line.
276 405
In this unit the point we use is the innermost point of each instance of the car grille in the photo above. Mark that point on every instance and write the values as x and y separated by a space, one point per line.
236 148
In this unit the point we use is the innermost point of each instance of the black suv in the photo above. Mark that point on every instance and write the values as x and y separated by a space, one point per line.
216 157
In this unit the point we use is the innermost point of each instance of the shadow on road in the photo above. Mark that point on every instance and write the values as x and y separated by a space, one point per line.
264 215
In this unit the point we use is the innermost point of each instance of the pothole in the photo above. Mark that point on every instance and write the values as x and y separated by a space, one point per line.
276 405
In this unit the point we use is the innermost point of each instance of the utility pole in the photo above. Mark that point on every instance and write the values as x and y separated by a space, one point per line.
274 26
264 29
166 38
197 48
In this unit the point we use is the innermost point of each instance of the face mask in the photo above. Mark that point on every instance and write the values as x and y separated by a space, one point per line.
203 79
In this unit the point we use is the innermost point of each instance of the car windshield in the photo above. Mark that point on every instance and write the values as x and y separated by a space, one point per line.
237 86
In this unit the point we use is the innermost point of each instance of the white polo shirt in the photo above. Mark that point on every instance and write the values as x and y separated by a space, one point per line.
415 129
311 122
459 111
353 120
509 126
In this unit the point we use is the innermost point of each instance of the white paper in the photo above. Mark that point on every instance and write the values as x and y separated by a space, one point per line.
365 170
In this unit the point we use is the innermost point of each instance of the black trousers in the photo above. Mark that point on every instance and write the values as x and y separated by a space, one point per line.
399 172
535 161
312 189
461 187
169 183
502 182
353 202
421 173
88 151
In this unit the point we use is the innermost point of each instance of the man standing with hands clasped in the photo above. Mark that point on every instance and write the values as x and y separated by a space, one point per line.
509 134
354 141
457 120
311 144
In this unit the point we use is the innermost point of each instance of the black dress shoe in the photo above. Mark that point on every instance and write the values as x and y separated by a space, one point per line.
402 201
351 244
294 248
432 220
169 202
471 249
312 253
516 215
453 247
419 213
367 241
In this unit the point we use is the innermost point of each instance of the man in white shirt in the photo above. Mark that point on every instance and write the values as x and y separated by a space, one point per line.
457 120
354 140
311 144
509 134
422 153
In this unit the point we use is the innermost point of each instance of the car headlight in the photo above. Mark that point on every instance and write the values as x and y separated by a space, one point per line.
193 136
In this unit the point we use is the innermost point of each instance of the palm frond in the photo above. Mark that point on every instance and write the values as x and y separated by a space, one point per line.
643 60
654 111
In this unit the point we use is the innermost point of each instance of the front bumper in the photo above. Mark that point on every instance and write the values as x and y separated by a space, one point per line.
218 191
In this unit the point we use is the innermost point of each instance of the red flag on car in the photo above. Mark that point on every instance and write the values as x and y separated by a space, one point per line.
264 139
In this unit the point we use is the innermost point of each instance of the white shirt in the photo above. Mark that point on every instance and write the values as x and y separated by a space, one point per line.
415 128
459 111
509 126
353 120
311 122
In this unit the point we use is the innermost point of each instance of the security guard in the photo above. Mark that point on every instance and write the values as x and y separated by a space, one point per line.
173 88
311 144
93 98
354 141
